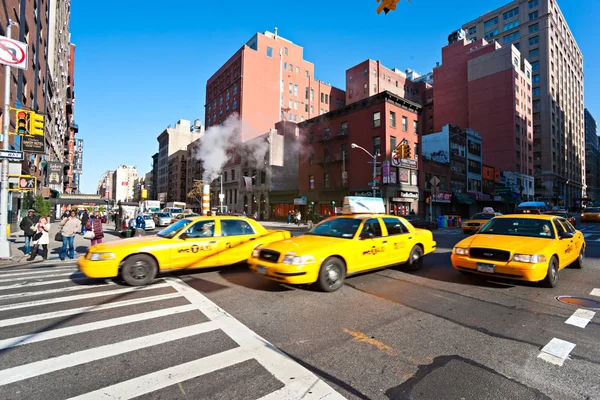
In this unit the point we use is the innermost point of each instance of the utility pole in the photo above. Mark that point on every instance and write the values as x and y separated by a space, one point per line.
374 157
4 244
221 194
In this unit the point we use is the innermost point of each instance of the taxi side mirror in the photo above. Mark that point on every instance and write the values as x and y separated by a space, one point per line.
366 235
565 235
183 236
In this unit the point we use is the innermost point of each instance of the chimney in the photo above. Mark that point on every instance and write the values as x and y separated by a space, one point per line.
437 64
275 33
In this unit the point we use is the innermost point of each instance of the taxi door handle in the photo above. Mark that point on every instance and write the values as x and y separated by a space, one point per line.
252 238
385 242
212 242
410 237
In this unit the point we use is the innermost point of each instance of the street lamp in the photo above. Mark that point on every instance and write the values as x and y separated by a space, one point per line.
565 194
374 157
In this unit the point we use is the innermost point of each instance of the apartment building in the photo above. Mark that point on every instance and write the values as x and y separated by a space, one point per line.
177 165
125 179
592 158
538 29
487 87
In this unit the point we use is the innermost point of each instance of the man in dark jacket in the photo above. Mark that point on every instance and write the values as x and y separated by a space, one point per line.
27 225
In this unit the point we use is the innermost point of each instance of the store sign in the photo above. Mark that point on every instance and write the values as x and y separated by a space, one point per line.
408 163
367 194
300 201
408 195
54 172
442 197
33 144
481 196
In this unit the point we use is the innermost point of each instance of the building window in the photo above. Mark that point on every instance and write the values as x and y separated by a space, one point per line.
326 99
533 15
306 93
516 63
474 185
297 70
291 68
306 73
365 89
311 158
322 97
376 145
312 95
235 89
285 65
533 3
344 129
326 180
285 51
295 90
306 107
291 88
392 119
535 66
534 28
511 25
535 91
534 40
376 119
512 13
534 53
536 78
475 149
269 52
392 143
416 127
490 22
311 137
512 36
490 34
311 182
472 30
474 167
405 124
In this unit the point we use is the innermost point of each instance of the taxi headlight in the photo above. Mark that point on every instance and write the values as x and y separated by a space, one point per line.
298 260
255 253
527 258
102 256
459 251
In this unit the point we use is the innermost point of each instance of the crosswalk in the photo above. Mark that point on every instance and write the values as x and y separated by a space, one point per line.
65 337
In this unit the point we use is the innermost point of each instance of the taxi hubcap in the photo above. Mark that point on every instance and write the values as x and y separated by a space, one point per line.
333 275
139 270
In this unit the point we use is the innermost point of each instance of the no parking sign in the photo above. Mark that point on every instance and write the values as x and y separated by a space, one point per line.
13 53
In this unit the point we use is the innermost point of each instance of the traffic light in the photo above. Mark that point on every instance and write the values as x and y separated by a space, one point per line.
36 124
22 122
407 151
386 5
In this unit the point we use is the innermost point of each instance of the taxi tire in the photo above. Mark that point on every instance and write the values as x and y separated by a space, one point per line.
139 261
338 266
413 264
578 264
551 277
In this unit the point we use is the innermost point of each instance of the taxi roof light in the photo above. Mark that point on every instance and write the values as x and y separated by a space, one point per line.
363 205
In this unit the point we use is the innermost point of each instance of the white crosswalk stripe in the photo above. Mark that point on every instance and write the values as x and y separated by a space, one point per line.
92 317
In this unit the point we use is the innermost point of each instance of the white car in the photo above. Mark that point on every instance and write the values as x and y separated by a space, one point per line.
162 218
149 222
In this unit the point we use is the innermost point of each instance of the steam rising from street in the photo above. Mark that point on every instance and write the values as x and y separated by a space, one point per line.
214 147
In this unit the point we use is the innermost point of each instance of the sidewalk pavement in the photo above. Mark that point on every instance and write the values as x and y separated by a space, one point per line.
17 245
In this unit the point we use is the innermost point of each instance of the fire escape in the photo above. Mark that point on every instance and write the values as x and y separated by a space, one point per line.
331 142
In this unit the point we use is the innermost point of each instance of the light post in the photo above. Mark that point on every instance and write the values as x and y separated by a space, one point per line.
565 194
221 194
374 157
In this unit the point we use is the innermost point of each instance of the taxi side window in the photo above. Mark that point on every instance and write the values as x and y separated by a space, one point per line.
201 229
372 226
236 228
394 226
559 227
567 225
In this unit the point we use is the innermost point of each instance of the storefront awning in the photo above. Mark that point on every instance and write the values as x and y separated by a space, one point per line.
462 198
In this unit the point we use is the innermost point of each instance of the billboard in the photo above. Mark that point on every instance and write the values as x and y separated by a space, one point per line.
54 173
78 159
435 147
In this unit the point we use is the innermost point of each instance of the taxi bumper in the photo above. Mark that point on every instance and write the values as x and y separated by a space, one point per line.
510 270
285 273
98 269
470 229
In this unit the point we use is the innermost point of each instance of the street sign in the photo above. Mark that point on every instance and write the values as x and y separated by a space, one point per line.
12 155
23 183
13 53
434 181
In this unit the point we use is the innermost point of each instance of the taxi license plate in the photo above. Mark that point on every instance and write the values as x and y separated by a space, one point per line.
261 270
481 267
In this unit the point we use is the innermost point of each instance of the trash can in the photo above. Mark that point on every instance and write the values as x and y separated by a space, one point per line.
440 222
450 221
127 233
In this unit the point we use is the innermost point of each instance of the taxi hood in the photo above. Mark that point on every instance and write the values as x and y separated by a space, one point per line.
140 241
305 244
513 244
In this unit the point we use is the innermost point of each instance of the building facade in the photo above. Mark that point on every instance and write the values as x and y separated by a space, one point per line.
125 179
592 158
329 168
539 30
177 176
470 91
153 193
170 141
105 185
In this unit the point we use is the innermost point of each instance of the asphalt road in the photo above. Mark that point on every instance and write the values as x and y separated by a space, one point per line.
228 334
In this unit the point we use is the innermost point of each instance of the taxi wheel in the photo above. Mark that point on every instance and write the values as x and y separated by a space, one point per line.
415 260
550 279
139 270
331 275
579 262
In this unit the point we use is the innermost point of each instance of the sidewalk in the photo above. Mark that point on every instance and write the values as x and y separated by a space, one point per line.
17 245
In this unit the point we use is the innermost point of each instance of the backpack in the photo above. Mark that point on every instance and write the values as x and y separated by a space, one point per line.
139 220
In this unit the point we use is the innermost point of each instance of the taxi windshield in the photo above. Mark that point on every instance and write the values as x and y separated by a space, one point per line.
528 227
483 216
592 210
173 229
336 227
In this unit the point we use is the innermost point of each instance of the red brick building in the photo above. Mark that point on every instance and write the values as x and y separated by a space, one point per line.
486 87
330 169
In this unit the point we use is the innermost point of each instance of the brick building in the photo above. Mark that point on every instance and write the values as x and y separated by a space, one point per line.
330 169
177 171
487 88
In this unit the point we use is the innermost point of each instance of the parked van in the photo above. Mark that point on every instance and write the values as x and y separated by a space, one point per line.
532 207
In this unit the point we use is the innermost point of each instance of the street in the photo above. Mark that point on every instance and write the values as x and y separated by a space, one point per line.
225 334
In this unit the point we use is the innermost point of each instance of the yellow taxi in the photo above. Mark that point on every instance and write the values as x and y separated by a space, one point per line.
590 214
362 238
524 247
188 243
477 221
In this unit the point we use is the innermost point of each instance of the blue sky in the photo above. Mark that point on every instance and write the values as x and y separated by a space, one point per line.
141 65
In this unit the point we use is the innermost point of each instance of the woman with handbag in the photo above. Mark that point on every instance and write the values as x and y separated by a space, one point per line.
40 238
94 229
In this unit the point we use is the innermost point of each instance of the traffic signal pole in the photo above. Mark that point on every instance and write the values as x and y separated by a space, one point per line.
4 244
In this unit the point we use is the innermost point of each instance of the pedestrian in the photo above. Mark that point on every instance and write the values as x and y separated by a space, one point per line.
289 217
40 238
69 227
85 217
95 225
27 224
140 225
298 218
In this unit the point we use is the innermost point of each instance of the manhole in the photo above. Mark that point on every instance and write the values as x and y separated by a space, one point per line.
579 302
